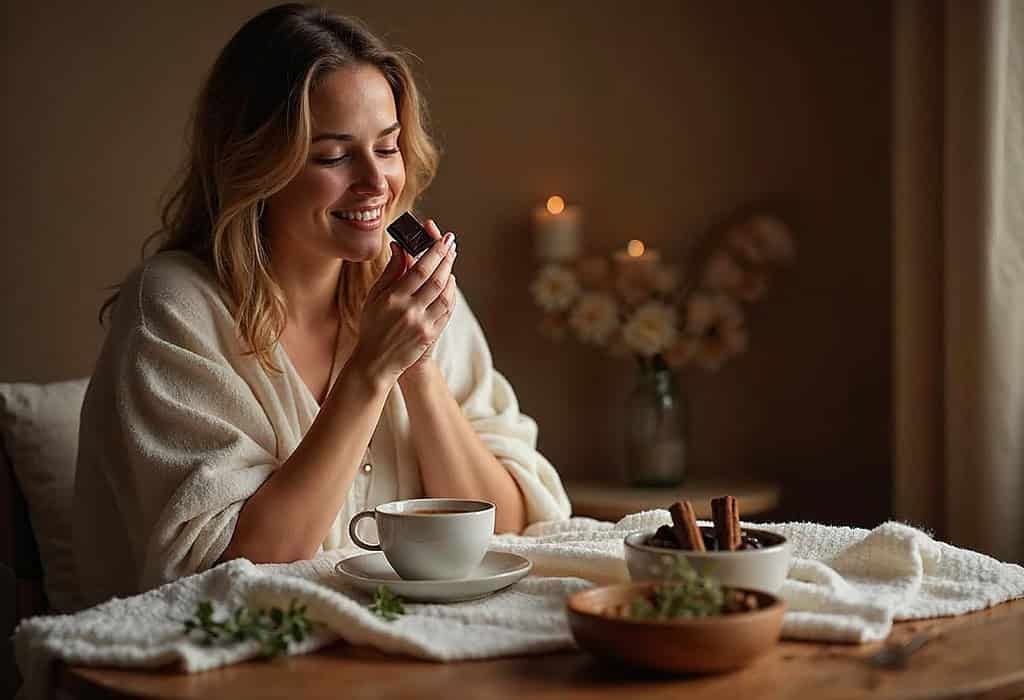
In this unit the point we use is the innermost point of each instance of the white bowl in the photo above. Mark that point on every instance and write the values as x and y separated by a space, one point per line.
759 569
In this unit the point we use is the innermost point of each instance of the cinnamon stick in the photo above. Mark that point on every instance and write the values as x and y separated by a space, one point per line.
684 525
727 522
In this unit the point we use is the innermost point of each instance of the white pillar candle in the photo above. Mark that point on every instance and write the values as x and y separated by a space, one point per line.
556 230
636 256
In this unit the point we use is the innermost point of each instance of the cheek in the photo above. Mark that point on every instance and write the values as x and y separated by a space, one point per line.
311 188
396 177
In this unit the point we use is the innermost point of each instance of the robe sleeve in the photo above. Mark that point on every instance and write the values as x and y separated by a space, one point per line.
192 440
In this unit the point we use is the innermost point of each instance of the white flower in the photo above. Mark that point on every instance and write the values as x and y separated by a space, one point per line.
665 278
743 241
755 284
774 238
651 329
595 318
762 240
682 352
715 322
634 284
555 288
722 272
701 312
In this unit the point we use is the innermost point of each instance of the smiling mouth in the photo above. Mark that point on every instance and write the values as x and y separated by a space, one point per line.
371 215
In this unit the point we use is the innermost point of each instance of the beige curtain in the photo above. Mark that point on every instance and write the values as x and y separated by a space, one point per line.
958 270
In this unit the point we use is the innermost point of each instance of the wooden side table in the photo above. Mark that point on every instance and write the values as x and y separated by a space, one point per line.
605 501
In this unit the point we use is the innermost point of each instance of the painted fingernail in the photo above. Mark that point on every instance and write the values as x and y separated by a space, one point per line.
449 239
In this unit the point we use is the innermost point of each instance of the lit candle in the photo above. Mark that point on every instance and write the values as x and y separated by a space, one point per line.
635 256
556 230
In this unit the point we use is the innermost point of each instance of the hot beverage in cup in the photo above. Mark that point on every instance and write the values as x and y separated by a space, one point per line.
430 538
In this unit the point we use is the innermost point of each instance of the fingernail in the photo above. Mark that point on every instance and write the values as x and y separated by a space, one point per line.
449 239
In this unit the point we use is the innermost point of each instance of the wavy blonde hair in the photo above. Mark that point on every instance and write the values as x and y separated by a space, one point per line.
250 135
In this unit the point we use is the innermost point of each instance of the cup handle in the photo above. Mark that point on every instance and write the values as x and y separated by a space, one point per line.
352 530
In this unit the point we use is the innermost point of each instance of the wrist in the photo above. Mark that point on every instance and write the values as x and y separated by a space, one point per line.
366 376
420 374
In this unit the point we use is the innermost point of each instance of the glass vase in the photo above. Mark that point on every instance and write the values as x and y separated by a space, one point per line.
656 428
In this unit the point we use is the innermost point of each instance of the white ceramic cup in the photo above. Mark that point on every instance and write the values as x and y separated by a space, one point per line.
430 546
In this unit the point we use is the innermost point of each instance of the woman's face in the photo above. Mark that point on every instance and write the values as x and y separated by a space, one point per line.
336 206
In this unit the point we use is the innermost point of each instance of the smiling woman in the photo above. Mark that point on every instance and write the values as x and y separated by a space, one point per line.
275 368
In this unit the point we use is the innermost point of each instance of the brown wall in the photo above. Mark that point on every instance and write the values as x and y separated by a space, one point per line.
658 117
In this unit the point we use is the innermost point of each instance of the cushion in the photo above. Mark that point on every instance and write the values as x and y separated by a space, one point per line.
39 427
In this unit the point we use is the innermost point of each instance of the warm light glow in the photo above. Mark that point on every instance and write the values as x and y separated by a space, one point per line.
556 204
635 248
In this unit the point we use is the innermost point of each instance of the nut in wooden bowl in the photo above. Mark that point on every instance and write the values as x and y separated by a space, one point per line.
602 623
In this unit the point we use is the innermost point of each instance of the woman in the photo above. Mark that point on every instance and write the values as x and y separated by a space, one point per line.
276 368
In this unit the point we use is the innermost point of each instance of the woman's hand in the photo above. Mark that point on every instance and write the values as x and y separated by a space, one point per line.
413 370
406 310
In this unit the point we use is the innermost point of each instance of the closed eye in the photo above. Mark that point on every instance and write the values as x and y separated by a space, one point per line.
384 152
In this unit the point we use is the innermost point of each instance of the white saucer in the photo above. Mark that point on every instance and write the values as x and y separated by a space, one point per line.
497 570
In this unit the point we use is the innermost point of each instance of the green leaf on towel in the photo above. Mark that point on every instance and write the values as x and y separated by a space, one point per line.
274 629
386 604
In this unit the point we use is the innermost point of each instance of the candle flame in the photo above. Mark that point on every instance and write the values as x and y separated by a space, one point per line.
635 248
556 204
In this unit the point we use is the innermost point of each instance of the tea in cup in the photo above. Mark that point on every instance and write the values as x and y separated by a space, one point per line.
430 538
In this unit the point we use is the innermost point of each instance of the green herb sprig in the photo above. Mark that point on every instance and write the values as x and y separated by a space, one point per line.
274 629
386 604
684 593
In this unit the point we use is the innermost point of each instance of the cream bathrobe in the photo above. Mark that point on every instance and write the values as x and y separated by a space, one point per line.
179 428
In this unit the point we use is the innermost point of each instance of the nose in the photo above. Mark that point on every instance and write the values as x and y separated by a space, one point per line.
369 177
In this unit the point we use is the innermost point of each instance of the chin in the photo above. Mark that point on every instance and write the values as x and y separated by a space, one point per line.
359 253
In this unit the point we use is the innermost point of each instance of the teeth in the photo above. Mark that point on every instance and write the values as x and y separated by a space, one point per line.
364 215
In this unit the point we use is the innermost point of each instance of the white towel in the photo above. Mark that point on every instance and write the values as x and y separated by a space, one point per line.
845 585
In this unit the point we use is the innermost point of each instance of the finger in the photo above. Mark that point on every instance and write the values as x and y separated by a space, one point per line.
435 285
444 304
433 229
423 268
396 267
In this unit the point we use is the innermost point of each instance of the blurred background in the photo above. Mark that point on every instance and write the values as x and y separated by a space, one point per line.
657 123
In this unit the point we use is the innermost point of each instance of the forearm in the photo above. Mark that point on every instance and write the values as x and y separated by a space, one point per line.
289 516
454 462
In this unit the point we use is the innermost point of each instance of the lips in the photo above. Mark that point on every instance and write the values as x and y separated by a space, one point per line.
362 215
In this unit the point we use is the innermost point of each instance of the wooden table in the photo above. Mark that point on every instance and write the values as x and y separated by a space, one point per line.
973 656
605 501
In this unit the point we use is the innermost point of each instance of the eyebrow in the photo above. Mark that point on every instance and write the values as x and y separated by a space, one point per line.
348 137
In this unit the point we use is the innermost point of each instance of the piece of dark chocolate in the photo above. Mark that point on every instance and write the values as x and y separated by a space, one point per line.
666 534
410 234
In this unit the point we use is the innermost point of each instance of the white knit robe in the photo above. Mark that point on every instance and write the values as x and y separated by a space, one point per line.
179 428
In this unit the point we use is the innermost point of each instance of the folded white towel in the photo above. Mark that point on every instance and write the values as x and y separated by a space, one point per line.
845 585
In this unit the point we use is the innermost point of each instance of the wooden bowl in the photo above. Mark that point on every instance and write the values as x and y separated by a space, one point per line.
687 645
